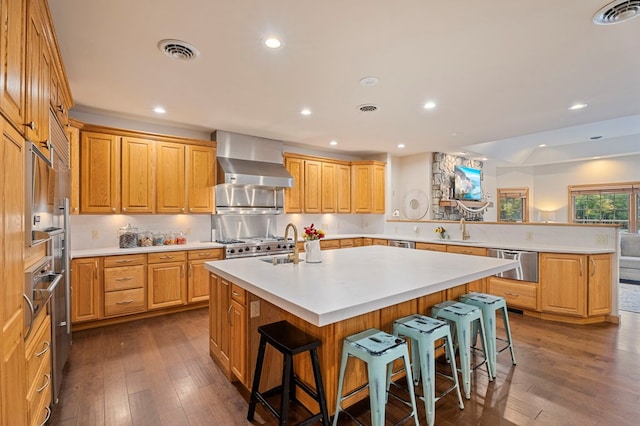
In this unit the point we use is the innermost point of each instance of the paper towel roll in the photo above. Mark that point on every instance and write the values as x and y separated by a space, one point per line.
214 235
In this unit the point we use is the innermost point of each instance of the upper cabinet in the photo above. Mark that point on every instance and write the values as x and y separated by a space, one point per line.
324 185
131 172
12 60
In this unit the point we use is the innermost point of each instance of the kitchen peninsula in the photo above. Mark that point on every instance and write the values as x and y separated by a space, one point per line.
351 290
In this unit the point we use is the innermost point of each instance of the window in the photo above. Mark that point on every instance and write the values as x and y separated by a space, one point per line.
606 204
513 204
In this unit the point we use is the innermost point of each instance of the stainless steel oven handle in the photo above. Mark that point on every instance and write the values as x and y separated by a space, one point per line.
31 314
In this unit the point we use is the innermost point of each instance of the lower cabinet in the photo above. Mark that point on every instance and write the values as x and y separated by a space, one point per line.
238 351
124 282
198 279
38 362
167 280
517 294
86 289
477 285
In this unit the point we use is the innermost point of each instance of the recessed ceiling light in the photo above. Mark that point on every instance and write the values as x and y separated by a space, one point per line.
595 138
159 110
596 158
577 106
430 105
305 111
484 159
401 145
369 81
333 143
542 145
272 43
462 153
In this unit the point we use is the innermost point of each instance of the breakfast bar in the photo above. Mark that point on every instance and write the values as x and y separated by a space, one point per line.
351 290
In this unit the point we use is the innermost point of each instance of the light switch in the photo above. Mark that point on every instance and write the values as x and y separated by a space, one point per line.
254 309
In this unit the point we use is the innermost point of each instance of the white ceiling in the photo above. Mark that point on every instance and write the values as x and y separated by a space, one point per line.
502 72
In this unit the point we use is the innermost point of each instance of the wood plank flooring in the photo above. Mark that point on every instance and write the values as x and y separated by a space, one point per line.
158 372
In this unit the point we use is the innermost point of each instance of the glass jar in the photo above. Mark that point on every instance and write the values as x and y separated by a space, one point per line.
145 239
169 239
158 239
128 236
181 238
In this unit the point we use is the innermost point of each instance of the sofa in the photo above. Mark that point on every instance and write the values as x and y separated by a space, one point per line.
630 257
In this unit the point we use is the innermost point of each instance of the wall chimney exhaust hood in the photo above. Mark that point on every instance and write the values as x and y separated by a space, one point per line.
250 160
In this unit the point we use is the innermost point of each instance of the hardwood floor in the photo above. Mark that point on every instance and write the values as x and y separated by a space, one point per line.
158 372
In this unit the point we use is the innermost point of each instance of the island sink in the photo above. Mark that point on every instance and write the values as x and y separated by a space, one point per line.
278 260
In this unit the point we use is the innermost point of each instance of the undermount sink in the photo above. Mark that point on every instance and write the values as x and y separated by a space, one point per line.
279 260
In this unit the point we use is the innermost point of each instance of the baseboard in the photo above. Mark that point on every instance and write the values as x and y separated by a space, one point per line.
634 282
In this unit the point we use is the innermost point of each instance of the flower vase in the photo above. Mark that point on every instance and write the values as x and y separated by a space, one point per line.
443 235
312 251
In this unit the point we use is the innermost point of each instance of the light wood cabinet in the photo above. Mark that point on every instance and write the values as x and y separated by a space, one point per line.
294 196
73 134
167 280
563 283
219 327
137 170
329 188
86 289
238 345
329 244
13 406
198 282
431 246
476 285
99 173
368 187
200 175
124 284
37 77
170 177
343 188
313 186
517 294
12 60
599 290
38 362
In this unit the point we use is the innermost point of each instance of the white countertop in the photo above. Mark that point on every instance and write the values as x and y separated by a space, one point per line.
114 251
354 281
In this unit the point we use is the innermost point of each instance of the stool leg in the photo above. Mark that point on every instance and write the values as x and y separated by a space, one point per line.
343 367
415 356
490 328
286 386
256 379
505 319
412 395
484 348
464 348
377 392
454 370
322 401
428 368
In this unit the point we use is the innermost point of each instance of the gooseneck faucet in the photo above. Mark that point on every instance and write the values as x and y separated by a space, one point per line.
463 227
295 242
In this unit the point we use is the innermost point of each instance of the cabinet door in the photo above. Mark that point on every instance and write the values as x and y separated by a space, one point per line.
99 173
563 282
12 350
220 326
137 167
167 285
35 46
86 289
343 188
378 189
198 285
294 196
329 196
201 172
73 133
600 284
312 186
170 178
238 355
12 60
361 182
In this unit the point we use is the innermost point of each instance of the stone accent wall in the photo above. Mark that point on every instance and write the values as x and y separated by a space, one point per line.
442 184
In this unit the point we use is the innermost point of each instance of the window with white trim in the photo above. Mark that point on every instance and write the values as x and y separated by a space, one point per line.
513 204
615 203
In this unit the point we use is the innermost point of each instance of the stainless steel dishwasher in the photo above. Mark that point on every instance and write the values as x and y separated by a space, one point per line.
527 269
402 243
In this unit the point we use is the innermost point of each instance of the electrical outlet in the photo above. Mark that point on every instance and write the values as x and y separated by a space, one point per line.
95 234
528 236
255 309
187 231
325 226
602 239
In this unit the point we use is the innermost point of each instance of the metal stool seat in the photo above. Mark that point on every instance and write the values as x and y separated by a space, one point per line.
290 341
489 305
424 333
378 350
463 316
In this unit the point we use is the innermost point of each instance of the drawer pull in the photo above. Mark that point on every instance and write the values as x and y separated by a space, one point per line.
235 293
124 279
46 419
508 293
125 302
124 261
48 377
44 351
204 254
166 257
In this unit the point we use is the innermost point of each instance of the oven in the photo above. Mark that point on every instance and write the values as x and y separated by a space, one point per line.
253 247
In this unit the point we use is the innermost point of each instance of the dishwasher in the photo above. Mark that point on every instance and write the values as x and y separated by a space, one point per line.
527 269
402 243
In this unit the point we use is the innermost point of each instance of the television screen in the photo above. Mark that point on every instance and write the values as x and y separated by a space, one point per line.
467 184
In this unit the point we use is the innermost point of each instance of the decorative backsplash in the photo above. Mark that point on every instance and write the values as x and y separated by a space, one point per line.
442 185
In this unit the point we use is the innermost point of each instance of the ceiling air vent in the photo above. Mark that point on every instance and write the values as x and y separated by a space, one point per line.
177 49
368 108
617 12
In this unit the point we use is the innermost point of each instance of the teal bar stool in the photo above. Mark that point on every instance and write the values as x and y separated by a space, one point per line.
489 305
378 350
463 317
424 332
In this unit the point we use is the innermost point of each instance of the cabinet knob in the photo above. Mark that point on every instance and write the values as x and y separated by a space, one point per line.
182 209
113 209
31 125
191 209
124 209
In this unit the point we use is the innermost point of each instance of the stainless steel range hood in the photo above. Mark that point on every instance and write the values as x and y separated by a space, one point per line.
250 160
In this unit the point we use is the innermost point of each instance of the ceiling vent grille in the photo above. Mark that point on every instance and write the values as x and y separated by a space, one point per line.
617 12
177 49
368 108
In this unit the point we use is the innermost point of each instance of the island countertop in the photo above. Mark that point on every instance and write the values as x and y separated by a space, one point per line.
354 281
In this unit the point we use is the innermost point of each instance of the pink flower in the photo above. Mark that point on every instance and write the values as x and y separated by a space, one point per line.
311 233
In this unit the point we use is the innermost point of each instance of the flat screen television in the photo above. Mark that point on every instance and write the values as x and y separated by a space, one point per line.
467 183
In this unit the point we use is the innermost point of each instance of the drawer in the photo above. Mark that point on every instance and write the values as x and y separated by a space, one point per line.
124 302
123 278
212 254
357 242
238 294
516 293
347 242
39 402
38 349
431 246
130 259
379 242
475 251
329 244
169 256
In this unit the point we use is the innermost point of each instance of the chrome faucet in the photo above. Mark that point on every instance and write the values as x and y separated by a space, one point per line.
293 256
463 227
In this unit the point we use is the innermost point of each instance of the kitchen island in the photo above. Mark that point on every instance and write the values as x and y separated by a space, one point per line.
349 291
